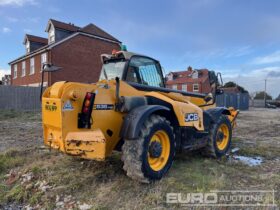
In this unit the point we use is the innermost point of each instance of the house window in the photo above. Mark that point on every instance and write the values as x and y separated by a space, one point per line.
51 34
28 47
43 59
184 87
32 66
15 71
23 69
169 76
174 87
195 87
195 75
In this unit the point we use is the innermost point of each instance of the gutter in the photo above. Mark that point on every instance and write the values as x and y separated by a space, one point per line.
28 56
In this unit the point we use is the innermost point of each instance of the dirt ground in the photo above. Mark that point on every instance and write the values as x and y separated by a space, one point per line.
32 176
20 130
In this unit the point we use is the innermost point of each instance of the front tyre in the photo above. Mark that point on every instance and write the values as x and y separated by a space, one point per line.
150 156
219 139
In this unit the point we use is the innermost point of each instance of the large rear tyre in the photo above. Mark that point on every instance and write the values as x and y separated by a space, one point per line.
150 156
219 139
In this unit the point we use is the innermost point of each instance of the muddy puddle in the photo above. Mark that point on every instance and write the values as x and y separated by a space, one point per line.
250 161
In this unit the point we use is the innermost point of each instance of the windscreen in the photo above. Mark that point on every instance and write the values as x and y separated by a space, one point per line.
112 69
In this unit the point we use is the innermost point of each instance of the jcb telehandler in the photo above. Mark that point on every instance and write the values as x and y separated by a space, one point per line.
131 110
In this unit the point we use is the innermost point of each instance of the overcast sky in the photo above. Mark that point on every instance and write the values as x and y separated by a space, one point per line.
239 38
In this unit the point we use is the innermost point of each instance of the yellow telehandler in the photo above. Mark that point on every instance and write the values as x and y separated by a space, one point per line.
130 110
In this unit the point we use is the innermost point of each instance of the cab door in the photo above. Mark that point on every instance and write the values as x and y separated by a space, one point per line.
144 71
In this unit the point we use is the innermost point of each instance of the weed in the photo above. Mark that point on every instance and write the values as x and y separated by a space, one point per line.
17 194
9 160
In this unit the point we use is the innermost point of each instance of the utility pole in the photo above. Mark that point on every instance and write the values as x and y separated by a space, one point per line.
265 93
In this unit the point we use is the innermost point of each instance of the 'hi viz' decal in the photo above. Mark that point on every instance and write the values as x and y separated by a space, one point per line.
191 117
67 106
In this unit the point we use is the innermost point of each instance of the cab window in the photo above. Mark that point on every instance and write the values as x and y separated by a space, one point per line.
144 71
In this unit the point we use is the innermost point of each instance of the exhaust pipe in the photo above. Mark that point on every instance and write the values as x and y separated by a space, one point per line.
117 89
117 104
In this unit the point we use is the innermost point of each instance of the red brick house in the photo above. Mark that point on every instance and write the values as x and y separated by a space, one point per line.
189 80
76 49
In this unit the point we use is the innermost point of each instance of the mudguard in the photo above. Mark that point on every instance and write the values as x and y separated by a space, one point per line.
135 118
215 113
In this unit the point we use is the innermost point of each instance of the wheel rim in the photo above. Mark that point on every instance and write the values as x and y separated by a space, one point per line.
222 137
161 138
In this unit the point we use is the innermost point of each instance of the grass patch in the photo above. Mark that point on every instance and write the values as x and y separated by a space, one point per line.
16 194
20 115
9 160
195 173
266 151
8 114
102 184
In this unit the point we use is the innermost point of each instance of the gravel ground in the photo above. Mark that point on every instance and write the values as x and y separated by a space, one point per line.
20 130
259 127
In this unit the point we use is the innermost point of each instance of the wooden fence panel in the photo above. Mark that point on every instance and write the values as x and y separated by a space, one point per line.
28 98
20 98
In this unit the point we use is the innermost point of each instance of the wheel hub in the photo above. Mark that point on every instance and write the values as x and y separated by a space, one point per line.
155 149
220 136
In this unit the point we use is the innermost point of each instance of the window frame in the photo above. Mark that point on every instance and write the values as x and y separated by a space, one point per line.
52 39
27 46
195 84
141 56
185 85
33 69
15 71
23 70
173 87
51 34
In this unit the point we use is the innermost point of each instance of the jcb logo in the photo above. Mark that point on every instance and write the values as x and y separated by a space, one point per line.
191 117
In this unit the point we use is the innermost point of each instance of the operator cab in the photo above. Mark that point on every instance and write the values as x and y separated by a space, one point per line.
132 68
145 73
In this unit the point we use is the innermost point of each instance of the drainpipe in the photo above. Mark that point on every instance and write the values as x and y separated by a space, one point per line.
49 73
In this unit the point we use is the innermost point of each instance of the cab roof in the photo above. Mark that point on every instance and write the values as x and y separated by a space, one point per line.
120 54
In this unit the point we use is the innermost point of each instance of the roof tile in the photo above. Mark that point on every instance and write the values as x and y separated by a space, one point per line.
37 39
94 30
65 26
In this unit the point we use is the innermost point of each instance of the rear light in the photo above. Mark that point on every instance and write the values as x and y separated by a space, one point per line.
87 103
85 110
85 120
88 96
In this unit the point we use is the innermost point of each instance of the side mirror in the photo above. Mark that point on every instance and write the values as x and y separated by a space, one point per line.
219 91
208 97
221 79
48 67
